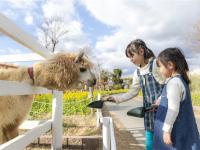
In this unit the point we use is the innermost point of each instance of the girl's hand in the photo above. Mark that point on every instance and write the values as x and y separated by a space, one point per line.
167 138
157 102
155 105
109 98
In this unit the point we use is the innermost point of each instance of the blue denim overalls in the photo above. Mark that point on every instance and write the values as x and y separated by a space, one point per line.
184 133
151 90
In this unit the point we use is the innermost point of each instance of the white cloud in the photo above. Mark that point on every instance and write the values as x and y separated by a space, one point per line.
22 4
28 19
10 13
62 8
20 10
10 50
161 24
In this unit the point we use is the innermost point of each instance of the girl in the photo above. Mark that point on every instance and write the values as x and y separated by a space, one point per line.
147 78
175 126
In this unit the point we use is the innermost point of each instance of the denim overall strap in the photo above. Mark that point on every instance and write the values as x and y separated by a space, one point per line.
184 135
151 90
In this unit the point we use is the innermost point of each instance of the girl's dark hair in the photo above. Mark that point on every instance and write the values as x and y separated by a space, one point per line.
134 46
178 59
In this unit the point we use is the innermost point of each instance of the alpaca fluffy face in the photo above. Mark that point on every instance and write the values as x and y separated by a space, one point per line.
85 69
86 75
63 72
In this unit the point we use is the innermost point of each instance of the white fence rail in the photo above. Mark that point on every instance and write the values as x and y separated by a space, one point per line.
20 142
20 58
10 29
17 88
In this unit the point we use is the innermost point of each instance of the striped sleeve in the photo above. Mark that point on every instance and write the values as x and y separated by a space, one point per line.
133 91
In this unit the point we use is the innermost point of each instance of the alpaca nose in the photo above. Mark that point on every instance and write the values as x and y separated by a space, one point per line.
94 81
91 82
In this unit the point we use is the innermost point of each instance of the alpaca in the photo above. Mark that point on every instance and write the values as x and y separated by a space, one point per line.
61 72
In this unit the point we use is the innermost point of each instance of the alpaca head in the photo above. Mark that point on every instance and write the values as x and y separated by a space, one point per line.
64 71
86 75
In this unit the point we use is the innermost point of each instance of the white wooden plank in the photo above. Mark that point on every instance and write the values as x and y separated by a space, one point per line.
57 120
112 136
10 29
17 88
20 142
20 58
106 133
30 124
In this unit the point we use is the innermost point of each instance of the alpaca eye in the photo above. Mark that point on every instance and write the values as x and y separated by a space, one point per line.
83 69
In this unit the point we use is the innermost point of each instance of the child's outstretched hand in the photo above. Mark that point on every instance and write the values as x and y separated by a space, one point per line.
157 102
167 138
109 99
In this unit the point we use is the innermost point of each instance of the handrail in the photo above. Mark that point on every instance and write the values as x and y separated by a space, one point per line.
10 29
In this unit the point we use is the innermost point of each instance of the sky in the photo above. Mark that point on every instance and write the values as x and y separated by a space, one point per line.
107 26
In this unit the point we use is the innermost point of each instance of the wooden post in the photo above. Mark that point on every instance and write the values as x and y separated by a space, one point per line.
57 121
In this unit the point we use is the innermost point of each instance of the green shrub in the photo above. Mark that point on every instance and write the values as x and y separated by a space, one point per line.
117 86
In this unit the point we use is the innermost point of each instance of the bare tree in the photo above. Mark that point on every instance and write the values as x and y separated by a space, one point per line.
54 31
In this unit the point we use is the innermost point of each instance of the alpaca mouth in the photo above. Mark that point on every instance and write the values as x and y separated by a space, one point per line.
91 83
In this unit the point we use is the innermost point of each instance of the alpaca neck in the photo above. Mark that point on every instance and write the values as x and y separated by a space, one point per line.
15 74
48 76
40 75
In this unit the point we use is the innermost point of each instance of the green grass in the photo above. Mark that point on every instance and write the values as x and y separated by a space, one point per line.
73 103
195 98
195 89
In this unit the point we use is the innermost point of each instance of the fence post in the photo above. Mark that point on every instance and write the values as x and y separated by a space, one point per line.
98 113
57 121
91 97
106 133
112 134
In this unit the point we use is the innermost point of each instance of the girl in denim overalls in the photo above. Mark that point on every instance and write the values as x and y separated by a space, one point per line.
147 78
175 125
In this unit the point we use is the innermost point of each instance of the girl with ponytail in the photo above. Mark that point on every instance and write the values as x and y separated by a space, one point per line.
146 77
175 126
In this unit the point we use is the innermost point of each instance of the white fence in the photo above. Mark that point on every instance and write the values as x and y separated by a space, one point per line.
20 142
107 130
10 29
108 134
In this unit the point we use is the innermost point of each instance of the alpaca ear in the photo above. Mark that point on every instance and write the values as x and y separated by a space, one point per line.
78 58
